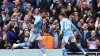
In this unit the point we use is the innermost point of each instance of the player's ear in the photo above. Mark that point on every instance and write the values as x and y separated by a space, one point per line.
60 17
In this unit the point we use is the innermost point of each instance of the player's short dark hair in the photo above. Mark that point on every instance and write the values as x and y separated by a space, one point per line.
43 11
63 14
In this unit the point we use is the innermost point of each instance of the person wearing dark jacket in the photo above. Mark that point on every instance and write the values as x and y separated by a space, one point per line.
85 34
13 28
2 42
98 30
73 48
8 34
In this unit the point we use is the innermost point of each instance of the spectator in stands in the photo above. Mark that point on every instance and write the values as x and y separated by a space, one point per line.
73 48
17 4
28 8
82 21
98 30
4 17
26 24
53 30
16 18
8 34
93 41
53 15
15 10
31 14
13 26
24 3
55 33
69 10
49 42
97 22
22 35
1 18
79 26
91 25
98 6
56 5
76 18
7 5
2 42
85 33
24 39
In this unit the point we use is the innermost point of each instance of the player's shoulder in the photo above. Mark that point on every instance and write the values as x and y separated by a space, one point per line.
66 19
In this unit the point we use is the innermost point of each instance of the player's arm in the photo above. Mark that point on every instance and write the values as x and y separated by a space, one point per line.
61 27
35 23
76 28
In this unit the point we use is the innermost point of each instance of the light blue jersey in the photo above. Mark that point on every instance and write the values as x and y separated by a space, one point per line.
38 23
66 27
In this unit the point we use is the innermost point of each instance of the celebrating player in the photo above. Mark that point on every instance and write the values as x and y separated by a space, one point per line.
34 33
66 29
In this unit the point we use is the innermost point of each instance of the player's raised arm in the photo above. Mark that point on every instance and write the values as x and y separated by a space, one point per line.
37 21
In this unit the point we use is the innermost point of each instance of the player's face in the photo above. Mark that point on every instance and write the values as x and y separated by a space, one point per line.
44 14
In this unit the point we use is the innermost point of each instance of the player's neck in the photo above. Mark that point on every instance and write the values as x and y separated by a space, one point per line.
63 18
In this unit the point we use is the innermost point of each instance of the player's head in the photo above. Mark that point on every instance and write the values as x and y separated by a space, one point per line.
44 14
62 16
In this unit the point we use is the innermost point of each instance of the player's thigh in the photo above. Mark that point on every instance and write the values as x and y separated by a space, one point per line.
39 38
32 36
65 39
25 44
29 44
22 44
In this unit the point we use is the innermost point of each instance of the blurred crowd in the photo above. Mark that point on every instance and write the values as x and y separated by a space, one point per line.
17 19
